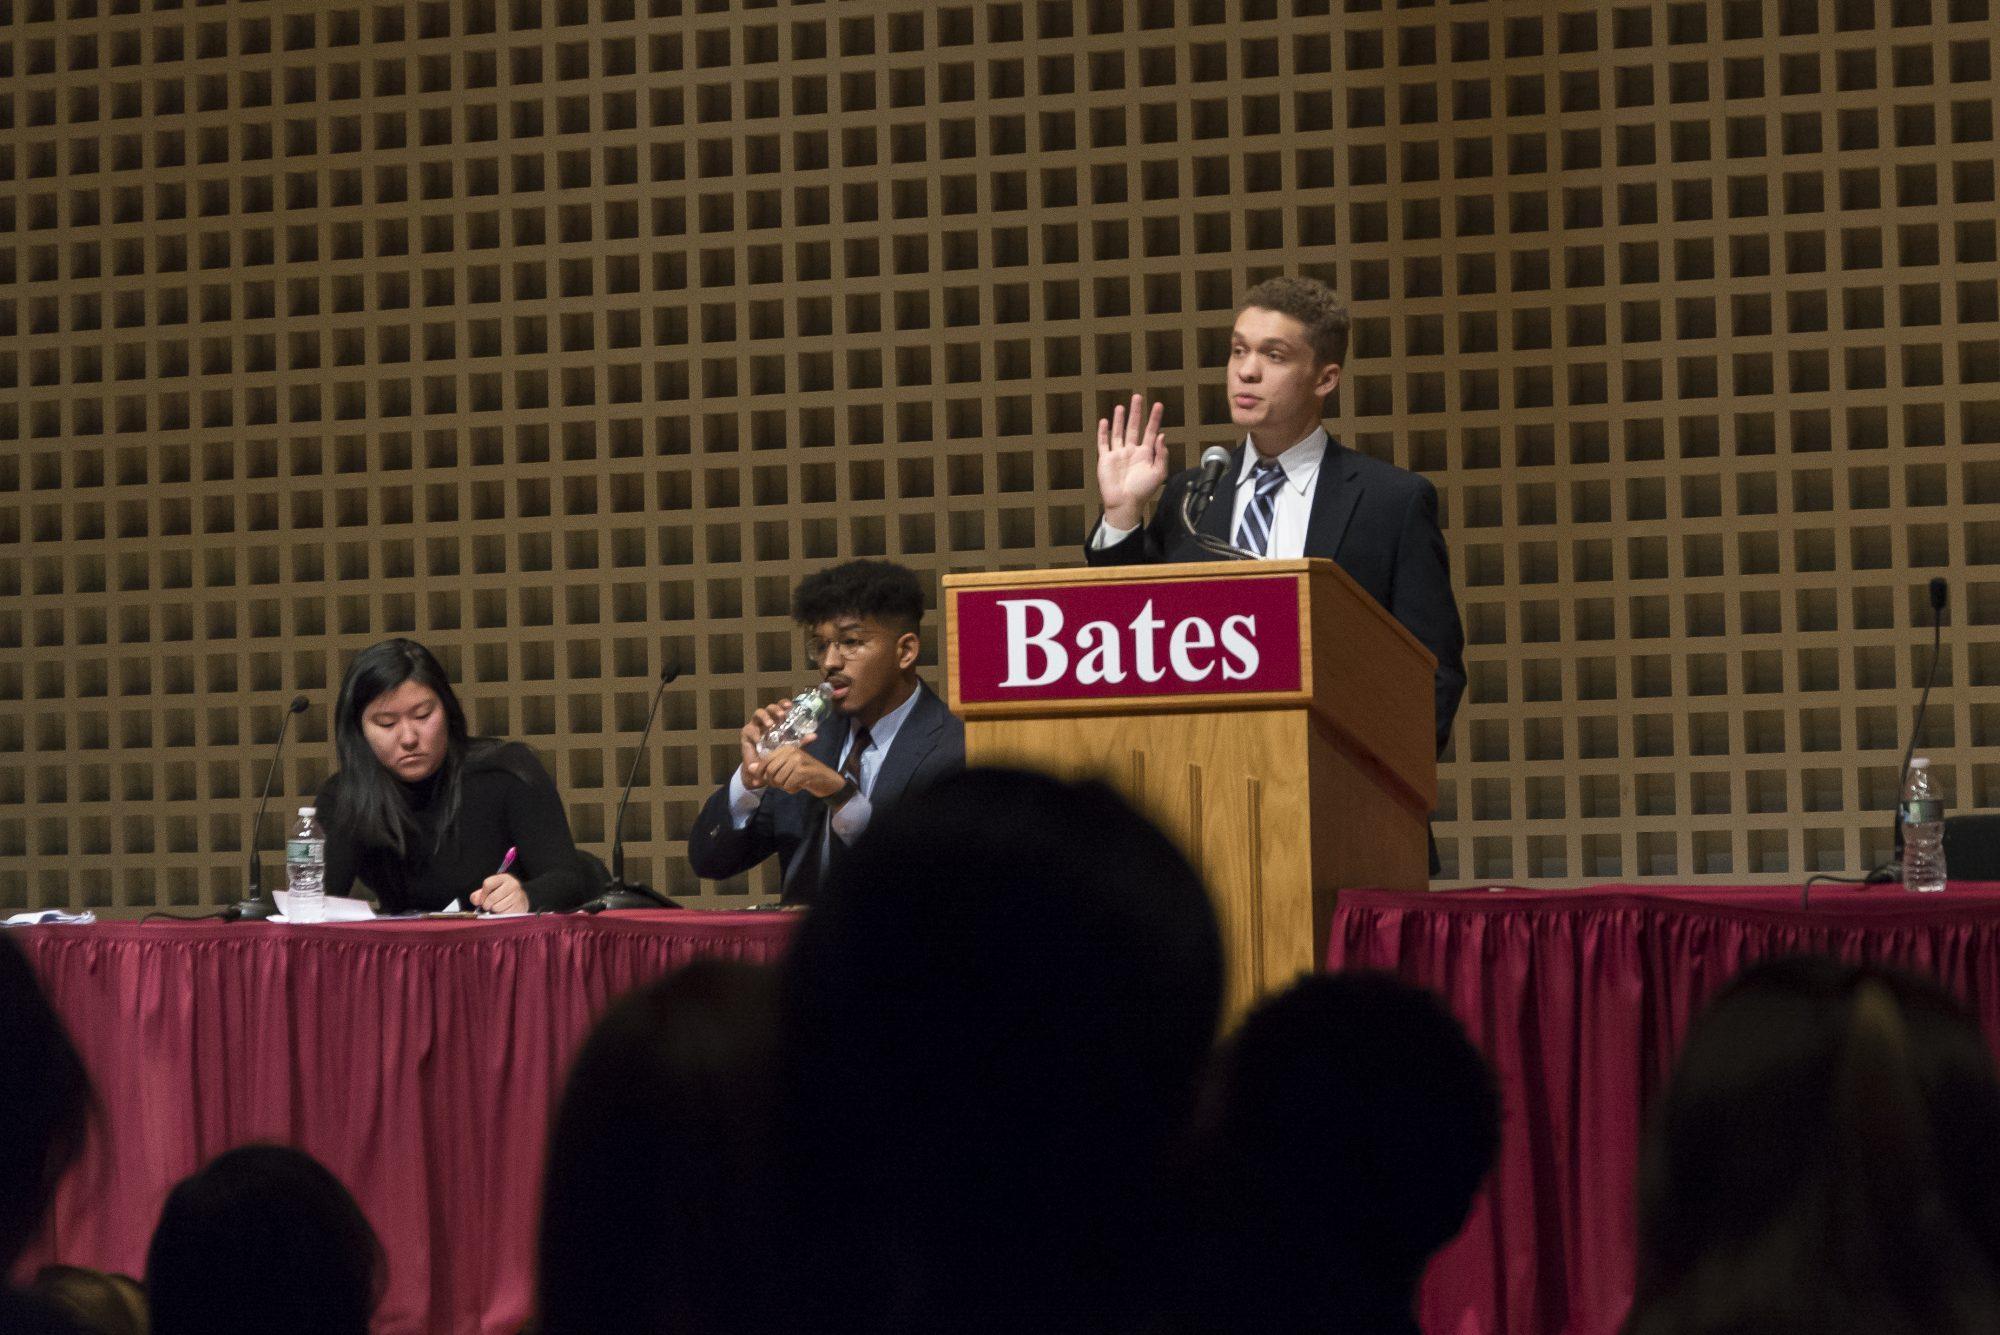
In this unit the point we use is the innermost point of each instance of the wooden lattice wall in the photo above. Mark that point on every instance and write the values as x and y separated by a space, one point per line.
564 335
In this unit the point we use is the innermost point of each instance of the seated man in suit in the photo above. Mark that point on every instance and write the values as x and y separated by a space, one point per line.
1295 491
888 735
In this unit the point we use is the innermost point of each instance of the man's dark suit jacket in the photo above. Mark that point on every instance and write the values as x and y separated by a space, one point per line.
929 745
1376 521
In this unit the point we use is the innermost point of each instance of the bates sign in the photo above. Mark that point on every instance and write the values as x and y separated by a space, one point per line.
1126 638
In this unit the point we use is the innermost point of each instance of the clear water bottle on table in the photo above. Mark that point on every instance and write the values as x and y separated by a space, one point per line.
305 870
1923 828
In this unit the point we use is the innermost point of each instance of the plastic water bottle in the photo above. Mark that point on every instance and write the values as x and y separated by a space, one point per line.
807 711
1923 828
305 870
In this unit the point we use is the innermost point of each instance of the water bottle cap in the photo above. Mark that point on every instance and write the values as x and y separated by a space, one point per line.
1920 762
307 811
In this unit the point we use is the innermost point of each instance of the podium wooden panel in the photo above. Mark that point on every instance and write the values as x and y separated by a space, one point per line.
1279 797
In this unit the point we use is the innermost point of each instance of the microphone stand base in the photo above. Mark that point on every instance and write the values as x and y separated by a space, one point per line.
256 909
618 895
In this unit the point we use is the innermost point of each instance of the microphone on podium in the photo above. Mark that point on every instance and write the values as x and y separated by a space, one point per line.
1194 504
1214 463
617 893
256 904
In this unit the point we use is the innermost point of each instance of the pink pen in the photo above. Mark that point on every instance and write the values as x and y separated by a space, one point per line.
505 863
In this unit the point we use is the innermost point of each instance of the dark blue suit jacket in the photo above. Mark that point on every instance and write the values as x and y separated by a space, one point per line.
1375 520
929 745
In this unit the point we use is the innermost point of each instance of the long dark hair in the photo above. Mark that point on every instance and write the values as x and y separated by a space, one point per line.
370 804
1825 1161
264 1238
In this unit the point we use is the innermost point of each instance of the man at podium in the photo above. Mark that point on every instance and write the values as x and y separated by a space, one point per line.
1294 491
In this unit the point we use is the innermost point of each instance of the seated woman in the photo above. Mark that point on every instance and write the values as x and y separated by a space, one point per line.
424 815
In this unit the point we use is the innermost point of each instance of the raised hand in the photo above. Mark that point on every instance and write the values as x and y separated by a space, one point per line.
1131 461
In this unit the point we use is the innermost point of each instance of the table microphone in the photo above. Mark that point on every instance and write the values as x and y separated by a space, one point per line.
1930 676
1891 872
617 893
256 904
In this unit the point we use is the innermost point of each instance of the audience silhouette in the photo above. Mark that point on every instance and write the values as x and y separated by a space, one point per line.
45 1107
656 1212
1825 1160
993 1026
263 1241
96 1301
1342 1139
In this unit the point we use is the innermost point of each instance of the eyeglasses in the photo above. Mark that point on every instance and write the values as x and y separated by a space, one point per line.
849 647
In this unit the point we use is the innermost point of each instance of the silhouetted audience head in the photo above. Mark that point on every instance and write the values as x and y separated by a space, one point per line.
95 1301
264 1239
45 1104
993 1024
656 1212
45 1107
1345 1133
1826 1159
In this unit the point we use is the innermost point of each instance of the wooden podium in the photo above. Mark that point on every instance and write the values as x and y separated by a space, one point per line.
1270 715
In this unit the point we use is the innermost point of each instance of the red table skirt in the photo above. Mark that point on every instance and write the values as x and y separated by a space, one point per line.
420 1061
1581 999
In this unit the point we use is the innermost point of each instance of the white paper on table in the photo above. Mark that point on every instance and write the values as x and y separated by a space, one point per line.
339 908
39 916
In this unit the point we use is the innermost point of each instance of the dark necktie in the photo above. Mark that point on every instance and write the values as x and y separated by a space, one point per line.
816 858
851 767
1253 532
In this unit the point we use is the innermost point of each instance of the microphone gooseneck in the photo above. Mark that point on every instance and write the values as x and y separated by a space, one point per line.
257 904
1194 503
667 678
1917 726
1892 870
617 893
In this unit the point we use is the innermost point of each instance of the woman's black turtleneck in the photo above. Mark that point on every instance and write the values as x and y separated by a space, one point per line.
506 800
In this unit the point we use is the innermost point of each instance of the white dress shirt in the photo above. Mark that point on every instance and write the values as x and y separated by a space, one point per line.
1293 507
852 818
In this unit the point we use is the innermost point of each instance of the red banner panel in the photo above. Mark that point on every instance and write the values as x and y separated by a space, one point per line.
1122 639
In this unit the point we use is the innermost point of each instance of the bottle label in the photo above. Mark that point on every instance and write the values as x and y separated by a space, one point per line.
305 850
1923 811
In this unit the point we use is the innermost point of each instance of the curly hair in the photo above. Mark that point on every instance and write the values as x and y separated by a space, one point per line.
1313 304
878 590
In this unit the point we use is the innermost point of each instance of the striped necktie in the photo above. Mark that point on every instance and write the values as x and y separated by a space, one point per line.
1253 531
